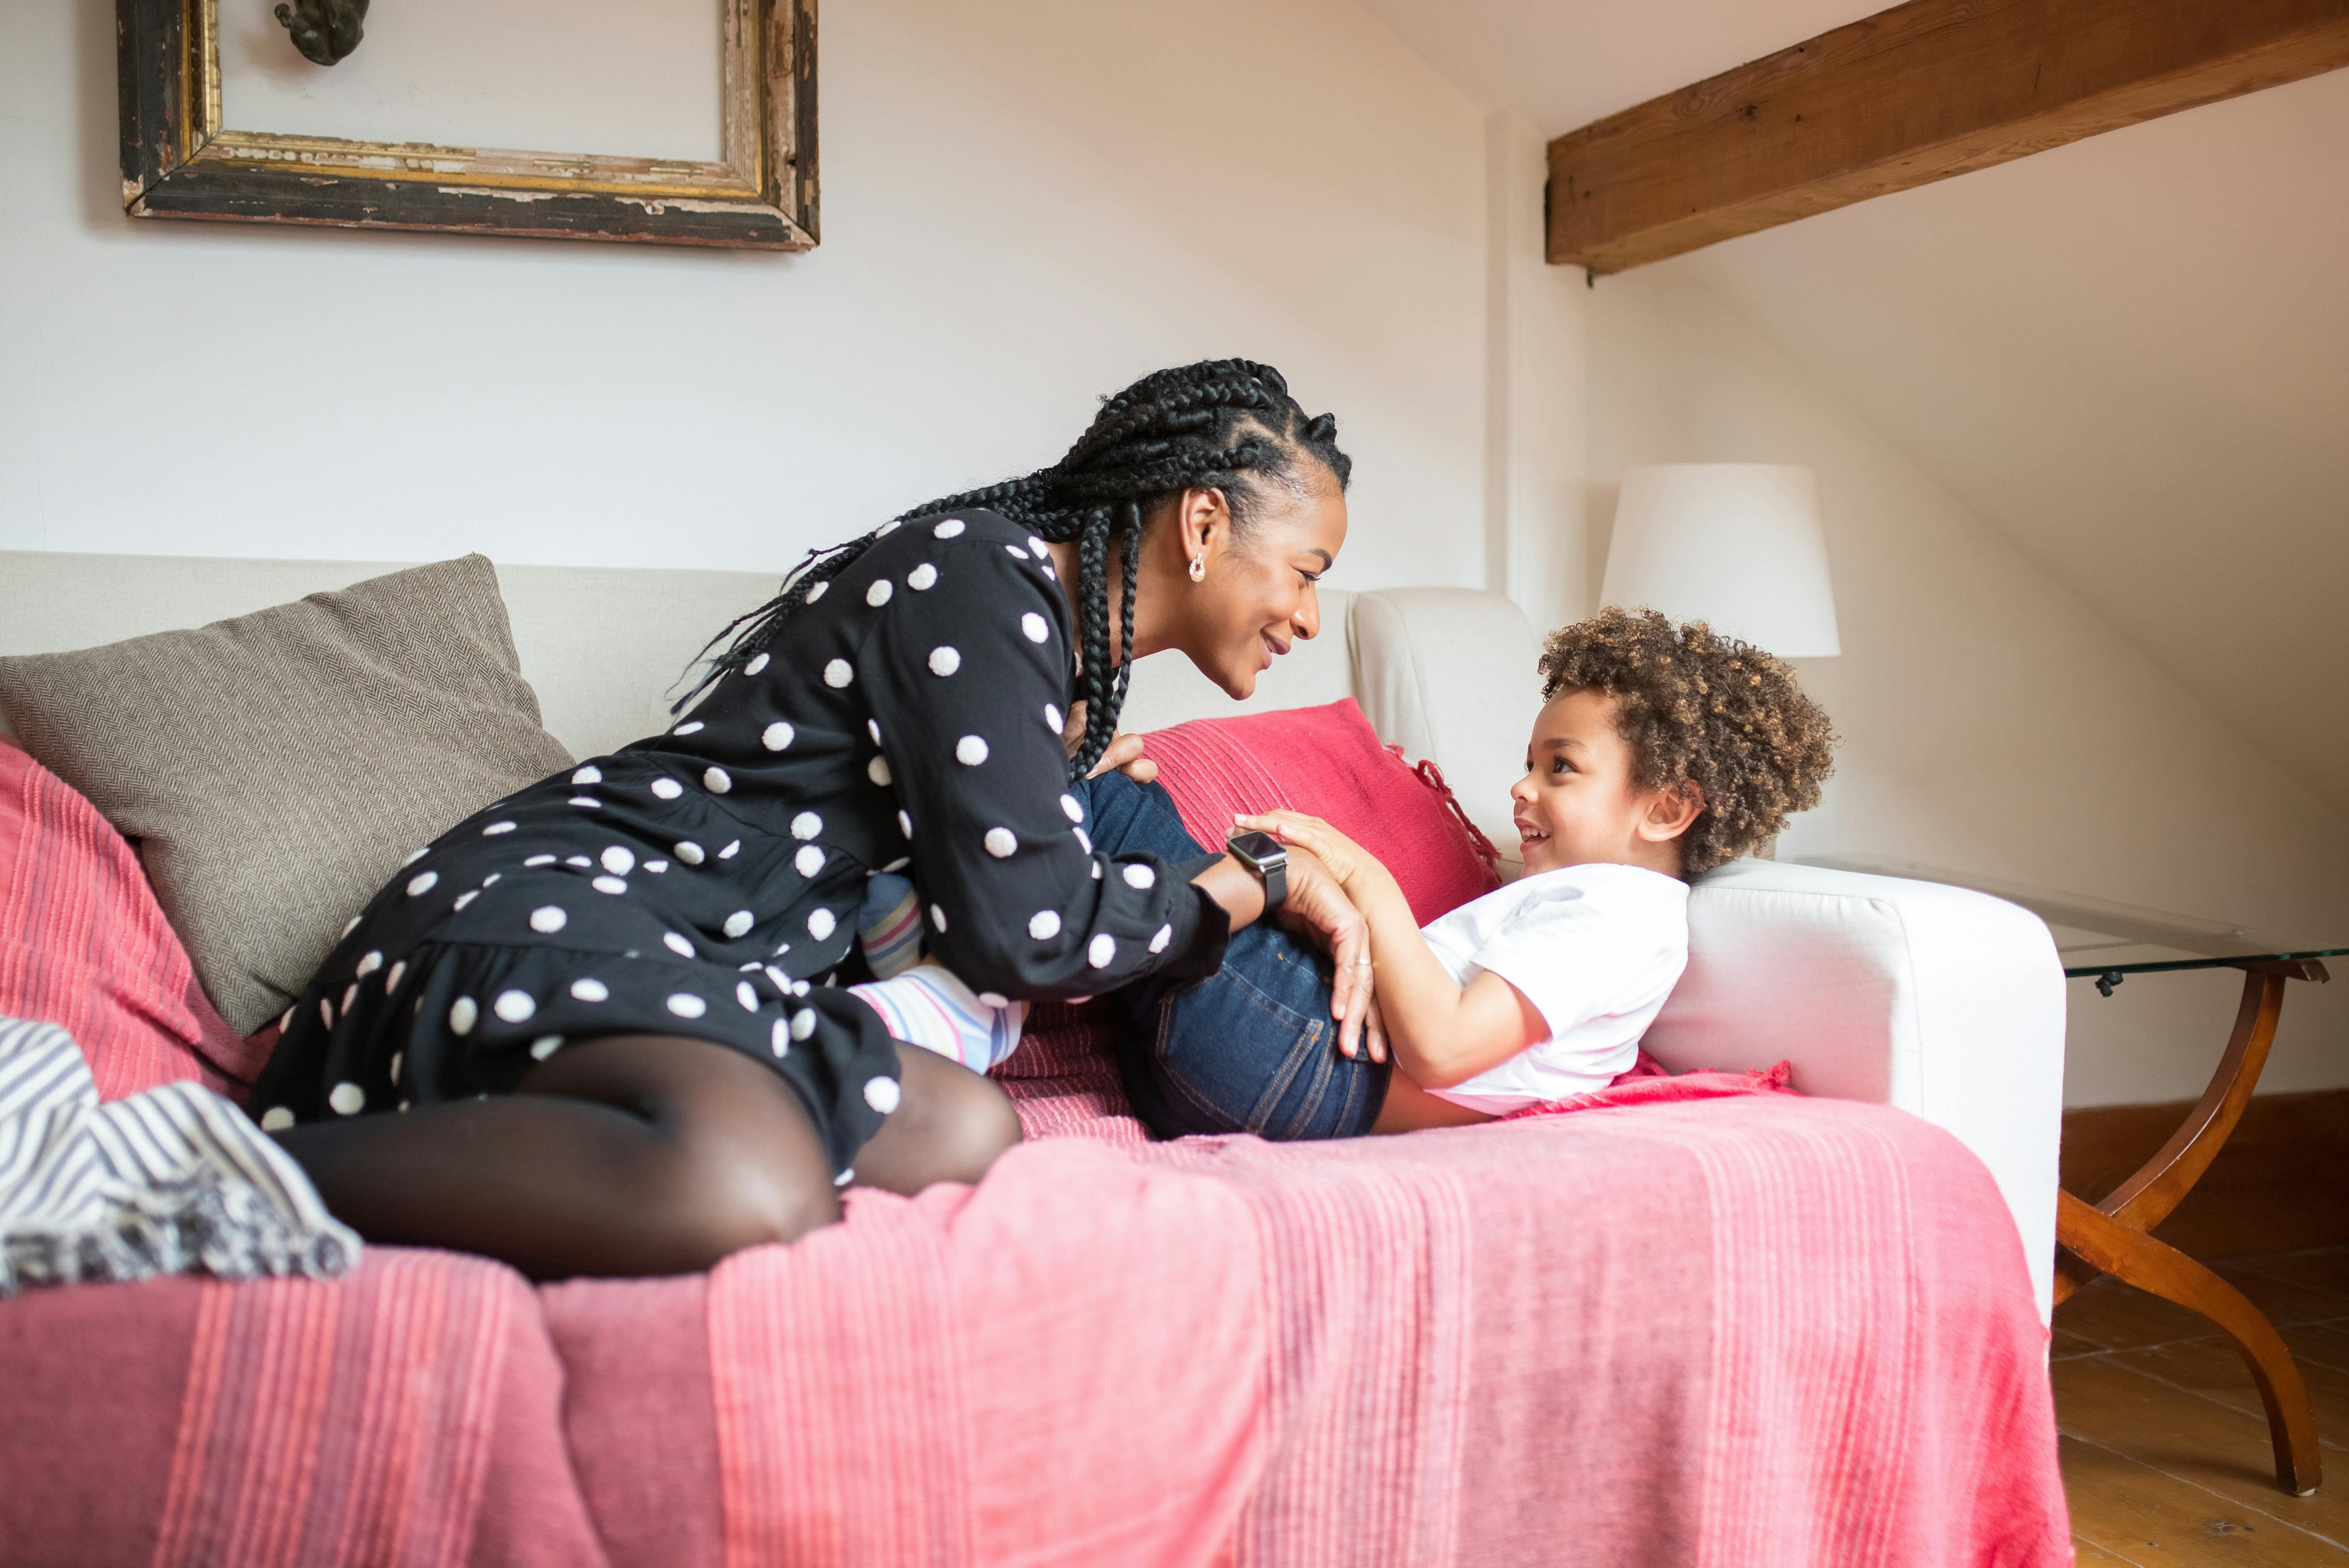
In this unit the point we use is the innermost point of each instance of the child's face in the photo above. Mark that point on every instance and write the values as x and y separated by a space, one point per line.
1578 803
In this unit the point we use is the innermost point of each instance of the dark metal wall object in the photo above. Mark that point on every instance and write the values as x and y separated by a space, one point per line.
324 31
181 160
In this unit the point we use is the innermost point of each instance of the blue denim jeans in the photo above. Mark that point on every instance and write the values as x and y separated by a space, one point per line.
1252 1047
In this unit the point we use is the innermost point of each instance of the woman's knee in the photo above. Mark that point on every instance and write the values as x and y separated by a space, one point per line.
951 1125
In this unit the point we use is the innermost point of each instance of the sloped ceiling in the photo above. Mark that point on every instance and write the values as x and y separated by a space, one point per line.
2130 355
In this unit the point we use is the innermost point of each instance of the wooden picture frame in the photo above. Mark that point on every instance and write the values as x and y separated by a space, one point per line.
180 160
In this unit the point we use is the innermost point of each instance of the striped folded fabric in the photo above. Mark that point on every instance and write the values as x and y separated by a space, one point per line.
173 1179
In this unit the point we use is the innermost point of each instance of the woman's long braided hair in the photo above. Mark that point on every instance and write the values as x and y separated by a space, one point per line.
1224 424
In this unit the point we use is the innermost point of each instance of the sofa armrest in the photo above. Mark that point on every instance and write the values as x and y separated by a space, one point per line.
1944 1002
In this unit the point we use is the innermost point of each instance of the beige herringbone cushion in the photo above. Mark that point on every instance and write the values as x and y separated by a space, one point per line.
277 769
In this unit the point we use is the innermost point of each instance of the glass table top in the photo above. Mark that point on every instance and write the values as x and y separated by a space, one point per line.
2096 937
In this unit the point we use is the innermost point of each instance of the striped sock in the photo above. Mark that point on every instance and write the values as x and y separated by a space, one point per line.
929 1005
890 924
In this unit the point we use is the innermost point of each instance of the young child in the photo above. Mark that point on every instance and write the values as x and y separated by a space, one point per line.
1661 752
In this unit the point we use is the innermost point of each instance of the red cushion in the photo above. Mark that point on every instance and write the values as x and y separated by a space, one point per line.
84 944
1326 762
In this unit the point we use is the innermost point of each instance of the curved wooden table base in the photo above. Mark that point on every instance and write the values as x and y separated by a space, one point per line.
2110 1237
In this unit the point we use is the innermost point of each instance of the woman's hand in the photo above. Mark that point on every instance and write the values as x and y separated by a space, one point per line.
1317 906
1122 753
1347 861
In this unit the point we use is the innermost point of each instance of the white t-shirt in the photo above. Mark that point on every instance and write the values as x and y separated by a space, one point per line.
1595 948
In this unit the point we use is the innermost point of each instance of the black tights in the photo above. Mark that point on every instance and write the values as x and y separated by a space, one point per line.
637 1154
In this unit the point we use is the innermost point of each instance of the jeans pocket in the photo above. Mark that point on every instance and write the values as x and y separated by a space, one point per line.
1237 1058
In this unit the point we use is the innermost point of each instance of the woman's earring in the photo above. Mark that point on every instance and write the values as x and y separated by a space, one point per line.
1198 569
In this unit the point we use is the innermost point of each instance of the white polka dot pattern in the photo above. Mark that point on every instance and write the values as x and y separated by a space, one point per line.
837 674
546 1046
588 802
686 851
582 862
462 1013
744 994
878 771
1101 950
904 824
685 1004
540 861
677 944
496 828
882 1094
808 860
777 736
970 750
347 1099
657 867
938 917
806 825
1034 627
514 1006
369 964
668 789
695 727
1015 552
886 528
618 860
350 995
1037 545
397 1059
419 855
945 661
778 1038
609 884
1073 808
822 923
922 578
422 884
878 594
1052 719
758 662
276 1118
1141 876
803 1023
354 925
1002 842
326 1011
1083 842
589 990
465 897
873 728
739 921
816 592
733 847
949 529
717 780
1044 924
391 981
590 774
1158 943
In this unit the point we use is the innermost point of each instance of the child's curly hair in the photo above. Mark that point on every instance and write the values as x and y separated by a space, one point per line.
1712 710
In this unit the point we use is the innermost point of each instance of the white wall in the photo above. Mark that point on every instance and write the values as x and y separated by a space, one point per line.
1992 723
1026 204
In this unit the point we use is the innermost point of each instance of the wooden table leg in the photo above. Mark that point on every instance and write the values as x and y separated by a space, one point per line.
2110 1237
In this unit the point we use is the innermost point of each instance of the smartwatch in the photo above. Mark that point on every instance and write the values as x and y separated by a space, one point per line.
1267 857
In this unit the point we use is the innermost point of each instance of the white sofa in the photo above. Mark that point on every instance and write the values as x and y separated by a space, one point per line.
1946 1003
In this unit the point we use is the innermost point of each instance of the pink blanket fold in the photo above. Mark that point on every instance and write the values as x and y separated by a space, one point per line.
1749 1329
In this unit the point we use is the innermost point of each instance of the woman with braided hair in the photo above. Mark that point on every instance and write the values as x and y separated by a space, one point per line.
613 1025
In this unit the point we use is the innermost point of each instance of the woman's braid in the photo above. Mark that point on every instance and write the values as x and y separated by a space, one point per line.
1223 424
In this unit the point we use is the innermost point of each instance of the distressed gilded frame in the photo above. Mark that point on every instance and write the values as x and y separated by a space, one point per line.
179 161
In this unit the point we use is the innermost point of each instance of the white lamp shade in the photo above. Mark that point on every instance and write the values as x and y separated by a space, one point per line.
1736 545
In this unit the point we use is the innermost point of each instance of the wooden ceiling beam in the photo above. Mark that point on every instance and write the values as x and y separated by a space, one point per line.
1918 93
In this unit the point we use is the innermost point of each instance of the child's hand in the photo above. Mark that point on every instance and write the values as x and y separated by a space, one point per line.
1347 861
1320 906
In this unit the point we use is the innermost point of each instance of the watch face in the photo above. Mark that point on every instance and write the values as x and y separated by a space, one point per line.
1258 849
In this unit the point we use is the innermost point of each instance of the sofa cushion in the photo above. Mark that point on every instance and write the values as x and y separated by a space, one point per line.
276 768
84 945
1326 761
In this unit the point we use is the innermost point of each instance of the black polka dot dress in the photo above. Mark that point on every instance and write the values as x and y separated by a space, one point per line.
705 882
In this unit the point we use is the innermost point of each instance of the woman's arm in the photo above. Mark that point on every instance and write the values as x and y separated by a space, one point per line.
1441 1033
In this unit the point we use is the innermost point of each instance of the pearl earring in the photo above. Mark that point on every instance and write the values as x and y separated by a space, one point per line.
1198 569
